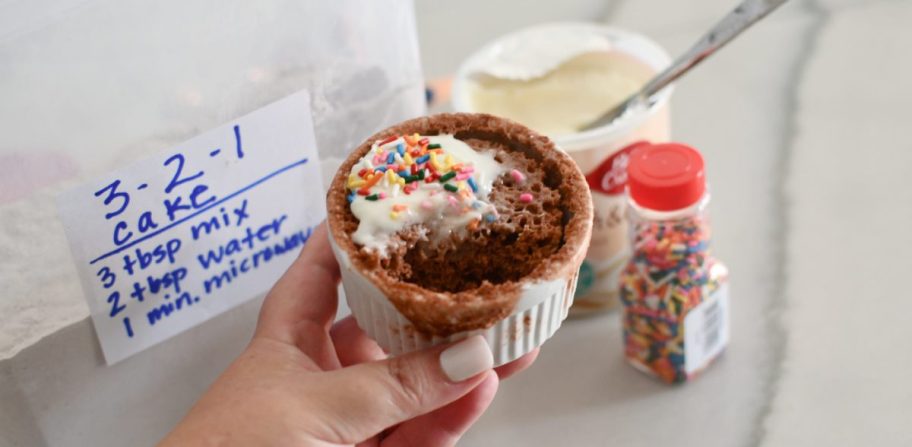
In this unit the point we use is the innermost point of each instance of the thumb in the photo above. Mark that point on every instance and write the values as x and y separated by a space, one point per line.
366 399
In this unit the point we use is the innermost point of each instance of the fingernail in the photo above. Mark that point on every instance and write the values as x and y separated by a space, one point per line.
466 359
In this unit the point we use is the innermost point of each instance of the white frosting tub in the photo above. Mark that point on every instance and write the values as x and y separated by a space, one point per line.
600 153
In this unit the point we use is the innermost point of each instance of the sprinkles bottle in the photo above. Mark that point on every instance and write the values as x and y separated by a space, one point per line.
675 294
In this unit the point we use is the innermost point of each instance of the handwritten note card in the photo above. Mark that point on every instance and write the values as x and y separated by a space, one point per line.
178 238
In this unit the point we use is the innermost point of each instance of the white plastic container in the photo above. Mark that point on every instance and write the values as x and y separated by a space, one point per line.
600 153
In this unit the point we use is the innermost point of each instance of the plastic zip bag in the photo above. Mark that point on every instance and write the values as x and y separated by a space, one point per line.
88 86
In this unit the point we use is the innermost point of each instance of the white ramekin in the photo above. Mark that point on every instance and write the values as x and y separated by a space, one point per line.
537 314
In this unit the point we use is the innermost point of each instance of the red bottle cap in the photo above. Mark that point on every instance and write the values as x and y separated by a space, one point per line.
666 177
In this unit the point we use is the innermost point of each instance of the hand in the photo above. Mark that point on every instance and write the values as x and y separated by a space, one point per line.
303 381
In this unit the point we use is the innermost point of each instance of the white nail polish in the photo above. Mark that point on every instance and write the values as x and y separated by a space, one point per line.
466 358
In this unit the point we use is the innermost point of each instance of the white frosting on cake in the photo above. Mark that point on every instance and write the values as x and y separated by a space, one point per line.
399 200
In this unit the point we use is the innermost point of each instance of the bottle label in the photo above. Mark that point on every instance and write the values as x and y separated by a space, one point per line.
706 330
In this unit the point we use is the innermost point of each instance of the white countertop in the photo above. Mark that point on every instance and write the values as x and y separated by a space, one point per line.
802 123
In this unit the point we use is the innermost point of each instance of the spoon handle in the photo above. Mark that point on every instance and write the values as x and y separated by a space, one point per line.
742 17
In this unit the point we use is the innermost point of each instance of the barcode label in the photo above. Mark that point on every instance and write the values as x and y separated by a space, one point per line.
712 325
706 330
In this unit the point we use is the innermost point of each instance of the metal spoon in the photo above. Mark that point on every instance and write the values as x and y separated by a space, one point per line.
742 17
